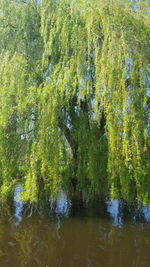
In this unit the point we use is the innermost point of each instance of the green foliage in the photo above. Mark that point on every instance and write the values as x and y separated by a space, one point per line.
74 101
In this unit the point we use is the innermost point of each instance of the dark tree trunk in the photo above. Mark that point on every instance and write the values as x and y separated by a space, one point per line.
74 147
75 166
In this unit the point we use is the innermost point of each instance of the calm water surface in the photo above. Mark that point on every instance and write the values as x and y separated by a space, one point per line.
97 236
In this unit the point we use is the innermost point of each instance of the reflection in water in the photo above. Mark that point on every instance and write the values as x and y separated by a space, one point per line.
18 204
82 242
61 205
145 210
66 239
114 208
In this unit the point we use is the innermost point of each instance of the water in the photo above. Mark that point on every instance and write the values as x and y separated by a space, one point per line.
74 235
18 204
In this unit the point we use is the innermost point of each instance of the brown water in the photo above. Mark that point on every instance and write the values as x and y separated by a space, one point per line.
98 236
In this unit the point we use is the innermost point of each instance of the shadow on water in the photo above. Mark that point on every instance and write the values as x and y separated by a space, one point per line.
76 233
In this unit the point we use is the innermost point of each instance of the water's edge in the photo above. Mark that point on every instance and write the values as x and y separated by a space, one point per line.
115 209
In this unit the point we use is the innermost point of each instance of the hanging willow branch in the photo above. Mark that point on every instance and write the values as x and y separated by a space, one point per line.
75 75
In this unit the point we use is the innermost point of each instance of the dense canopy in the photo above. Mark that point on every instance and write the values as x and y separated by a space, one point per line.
75 98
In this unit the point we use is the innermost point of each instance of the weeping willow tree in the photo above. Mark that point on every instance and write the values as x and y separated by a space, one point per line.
75 98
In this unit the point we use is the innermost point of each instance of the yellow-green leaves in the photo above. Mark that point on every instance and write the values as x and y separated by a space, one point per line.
74 97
